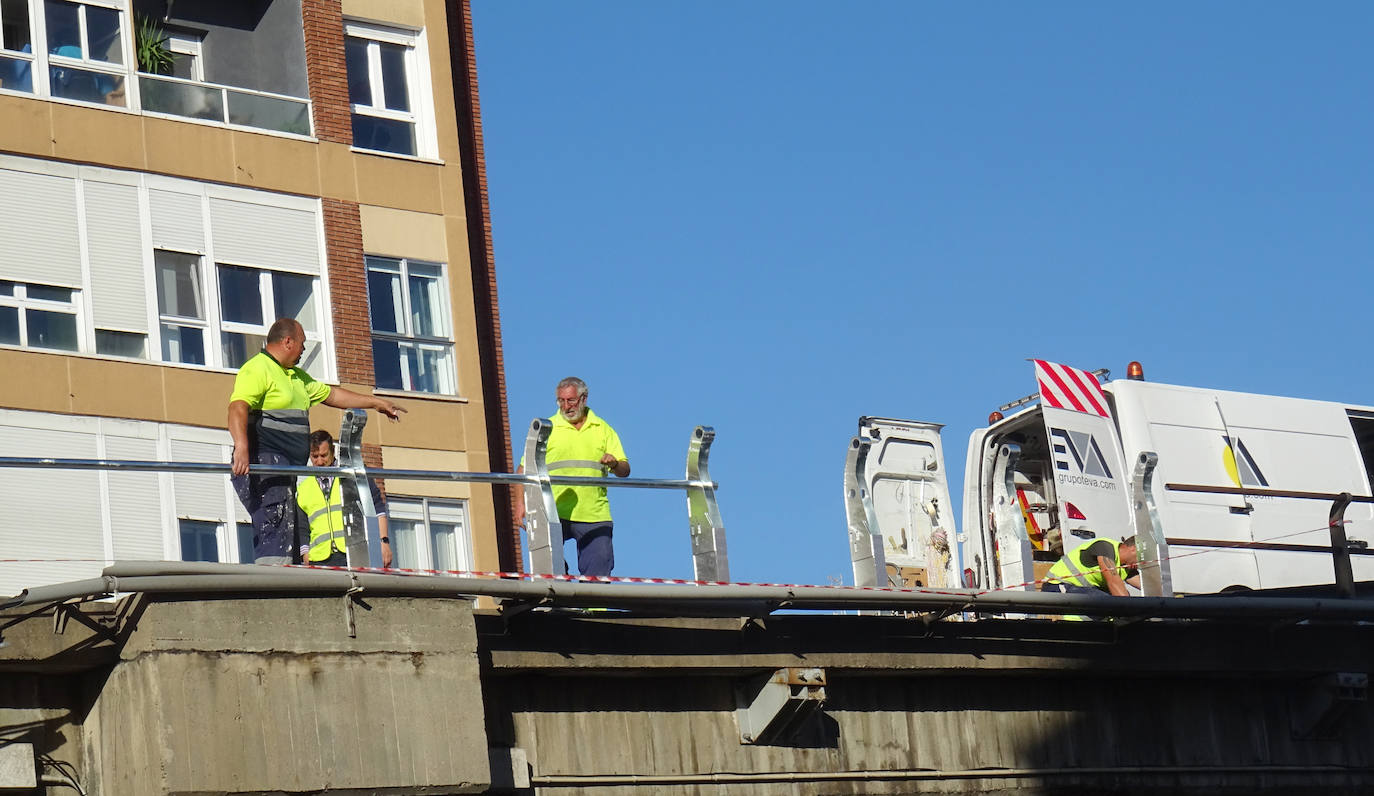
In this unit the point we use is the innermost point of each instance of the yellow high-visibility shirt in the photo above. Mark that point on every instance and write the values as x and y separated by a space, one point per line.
264 384
574 451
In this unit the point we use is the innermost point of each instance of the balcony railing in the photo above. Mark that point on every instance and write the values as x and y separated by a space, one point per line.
235 107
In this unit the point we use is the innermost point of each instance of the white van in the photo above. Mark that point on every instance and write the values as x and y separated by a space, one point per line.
1055 475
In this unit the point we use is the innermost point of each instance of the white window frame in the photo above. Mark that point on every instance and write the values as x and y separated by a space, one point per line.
21 300
28 57
44 59
407 335
218 530
421 510
323 369
418 85
179 320
267 297
191 46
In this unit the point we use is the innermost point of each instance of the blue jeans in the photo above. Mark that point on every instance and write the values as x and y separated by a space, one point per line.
594 553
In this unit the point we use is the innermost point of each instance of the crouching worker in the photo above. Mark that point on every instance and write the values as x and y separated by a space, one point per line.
1098 565
321 500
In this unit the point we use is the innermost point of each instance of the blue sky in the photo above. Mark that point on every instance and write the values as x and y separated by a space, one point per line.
773 218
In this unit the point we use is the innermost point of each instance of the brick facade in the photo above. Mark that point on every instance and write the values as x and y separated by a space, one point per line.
343 239
463 62
326 69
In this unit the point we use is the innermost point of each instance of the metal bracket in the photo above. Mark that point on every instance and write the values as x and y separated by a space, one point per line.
1321 711
357 493
865 541
61 612
350 620
541 511
1340 548
1155 580
709 558
780 706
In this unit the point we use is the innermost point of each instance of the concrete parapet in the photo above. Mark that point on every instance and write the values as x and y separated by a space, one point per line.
265 696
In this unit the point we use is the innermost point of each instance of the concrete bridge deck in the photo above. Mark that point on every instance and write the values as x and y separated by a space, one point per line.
237 693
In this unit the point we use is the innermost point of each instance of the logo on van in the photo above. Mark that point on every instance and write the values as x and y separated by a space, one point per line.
1240 465
1083 448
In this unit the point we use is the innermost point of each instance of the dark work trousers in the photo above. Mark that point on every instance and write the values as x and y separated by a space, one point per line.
336 559
271 502
594 553
1069 588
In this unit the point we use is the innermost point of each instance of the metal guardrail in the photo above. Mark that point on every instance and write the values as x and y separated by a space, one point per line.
1341 547
710 562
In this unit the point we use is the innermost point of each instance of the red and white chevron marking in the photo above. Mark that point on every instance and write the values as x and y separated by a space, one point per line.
1069 388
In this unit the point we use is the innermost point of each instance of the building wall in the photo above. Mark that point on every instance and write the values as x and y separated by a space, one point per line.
369 204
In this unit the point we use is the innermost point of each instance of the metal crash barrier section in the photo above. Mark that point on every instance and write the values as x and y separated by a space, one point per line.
709 559
707 532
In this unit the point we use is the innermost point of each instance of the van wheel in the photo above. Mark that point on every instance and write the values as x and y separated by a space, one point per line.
1235 587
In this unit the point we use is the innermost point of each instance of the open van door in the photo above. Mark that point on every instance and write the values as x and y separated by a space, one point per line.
1091 482
905 475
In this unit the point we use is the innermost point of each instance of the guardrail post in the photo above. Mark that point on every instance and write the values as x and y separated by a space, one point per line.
356 493
1340 548
865 539
1155 580
709 558
541 511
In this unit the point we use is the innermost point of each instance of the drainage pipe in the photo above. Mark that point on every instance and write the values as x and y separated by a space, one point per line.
190 578
732 778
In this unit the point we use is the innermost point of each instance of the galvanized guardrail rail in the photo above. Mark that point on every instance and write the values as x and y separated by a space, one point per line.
709 558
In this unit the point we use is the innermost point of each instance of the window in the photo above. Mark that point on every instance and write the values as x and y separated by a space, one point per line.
85 51
245 534
252 298
155 272
412 341
186 57
180 306
429 534
112 343
16 46
387 90
38 316
199 540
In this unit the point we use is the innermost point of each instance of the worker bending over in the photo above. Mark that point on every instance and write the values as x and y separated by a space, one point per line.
1098 565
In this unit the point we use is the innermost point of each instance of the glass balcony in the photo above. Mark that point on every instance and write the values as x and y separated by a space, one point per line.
236 107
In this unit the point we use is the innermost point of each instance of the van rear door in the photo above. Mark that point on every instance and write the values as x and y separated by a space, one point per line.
905 475
1090 477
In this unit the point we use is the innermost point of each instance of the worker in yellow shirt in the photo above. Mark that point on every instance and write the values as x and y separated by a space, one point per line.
582 444
270 424
321 498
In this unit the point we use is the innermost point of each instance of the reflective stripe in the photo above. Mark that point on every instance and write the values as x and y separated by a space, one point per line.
286 431
1077 575
288 420
334 507
327 541
570 463
327 527
1069 570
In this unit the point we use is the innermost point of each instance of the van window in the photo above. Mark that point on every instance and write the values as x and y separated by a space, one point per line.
1363 425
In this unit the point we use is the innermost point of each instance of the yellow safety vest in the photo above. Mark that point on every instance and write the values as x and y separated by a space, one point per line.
325 516
1070 569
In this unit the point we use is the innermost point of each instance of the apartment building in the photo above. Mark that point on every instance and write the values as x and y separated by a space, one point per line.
175 174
